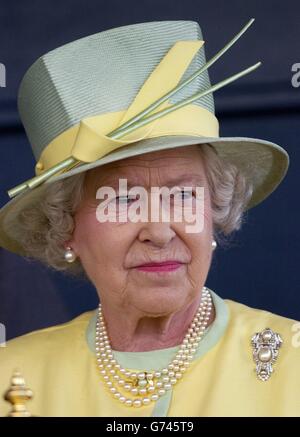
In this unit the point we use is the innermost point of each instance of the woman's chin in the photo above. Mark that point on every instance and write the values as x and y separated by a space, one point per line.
160 300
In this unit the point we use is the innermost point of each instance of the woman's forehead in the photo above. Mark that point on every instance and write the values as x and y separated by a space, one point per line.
135 173
169 166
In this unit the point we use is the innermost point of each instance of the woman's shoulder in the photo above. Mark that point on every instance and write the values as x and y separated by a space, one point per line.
44 346
247 314
56 334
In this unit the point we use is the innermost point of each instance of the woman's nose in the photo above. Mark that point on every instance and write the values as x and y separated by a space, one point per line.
157 233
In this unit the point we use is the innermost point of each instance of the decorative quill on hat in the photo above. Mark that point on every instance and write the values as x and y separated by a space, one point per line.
124 92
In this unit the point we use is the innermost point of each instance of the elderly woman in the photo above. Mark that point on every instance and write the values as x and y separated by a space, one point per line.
160 343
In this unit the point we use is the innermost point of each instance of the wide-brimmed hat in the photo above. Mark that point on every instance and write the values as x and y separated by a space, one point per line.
123 92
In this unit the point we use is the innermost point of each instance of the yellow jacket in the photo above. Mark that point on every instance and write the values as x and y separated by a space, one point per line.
59 365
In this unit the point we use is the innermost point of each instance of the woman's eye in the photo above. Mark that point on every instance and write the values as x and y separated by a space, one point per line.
186 194
124 199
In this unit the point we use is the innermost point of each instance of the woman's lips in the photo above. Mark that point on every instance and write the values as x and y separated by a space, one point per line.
166 266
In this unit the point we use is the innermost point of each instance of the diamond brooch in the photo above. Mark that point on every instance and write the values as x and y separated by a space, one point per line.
265 352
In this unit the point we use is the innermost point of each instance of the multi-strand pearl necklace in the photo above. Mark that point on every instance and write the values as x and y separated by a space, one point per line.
147 387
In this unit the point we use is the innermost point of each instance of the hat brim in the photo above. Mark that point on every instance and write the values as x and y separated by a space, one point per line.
262 162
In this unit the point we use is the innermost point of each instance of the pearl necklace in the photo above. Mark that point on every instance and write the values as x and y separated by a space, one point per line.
149 386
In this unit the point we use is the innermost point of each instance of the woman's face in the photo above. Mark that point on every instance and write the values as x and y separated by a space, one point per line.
111 251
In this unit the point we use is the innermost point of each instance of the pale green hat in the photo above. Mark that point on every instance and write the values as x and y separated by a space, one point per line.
73 101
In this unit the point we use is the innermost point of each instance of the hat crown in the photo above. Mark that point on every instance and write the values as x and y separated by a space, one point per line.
102 73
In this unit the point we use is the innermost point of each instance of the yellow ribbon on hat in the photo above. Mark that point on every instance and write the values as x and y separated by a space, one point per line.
88 141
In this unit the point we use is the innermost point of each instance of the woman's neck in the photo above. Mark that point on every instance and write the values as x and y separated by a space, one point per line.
140 334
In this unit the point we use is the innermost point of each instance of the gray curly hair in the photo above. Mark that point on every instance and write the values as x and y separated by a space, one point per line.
43 228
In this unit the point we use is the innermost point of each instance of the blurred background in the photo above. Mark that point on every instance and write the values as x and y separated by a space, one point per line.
260 267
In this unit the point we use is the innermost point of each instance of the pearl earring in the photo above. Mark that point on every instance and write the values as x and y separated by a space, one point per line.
214 244
69 255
